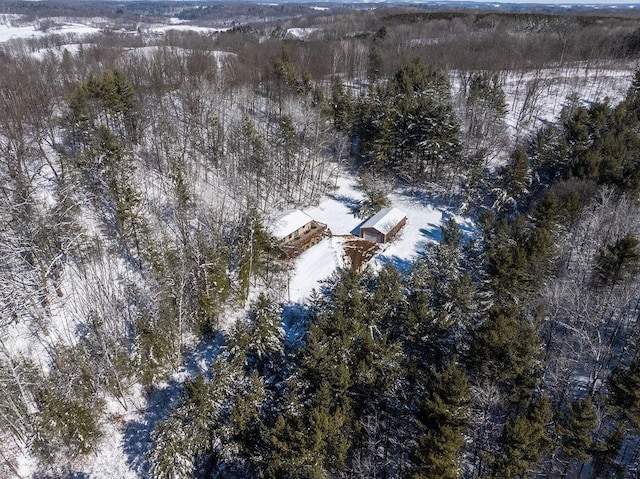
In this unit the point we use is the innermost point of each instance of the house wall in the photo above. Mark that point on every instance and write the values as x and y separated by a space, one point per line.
372 235
389 236
307 236
299 232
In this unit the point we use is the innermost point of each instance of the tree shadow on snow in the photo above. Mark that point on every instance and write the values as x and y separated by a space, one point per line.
424 198
161 401
356 231
433 231
403 265
295 322
353 204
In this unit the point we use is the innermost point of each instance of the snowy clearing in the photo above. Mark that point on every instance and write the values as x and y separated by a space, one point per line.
337 211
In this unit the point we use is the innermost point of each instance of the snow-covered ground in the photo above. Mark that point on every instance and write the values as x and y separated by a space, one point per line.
337 212
538 96
11 32
184 28
12 28
300 33
72 48
149 51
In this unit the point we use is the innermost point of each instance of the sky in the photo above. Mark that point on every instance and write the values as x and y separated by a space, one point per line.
530 2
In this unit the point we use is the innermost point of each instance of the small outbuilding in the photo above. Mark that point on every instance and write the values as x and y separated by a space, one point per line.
296 231
383 226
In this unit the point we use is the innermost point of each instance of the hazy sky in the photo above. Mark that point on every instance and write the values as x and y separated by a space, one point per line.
544 2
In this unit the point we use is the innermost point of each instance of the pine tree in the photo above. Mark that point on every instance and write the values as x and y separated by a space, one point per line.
66 424
625 392
389 302
517 175
287 148
266 346
485 130
172 455
374 64
485 93
442 419
526 441
210 284
605 460
241 456
255 250
439 277
193 438
108 100
576 428
408 127
618 261
327 443
506 349
342 105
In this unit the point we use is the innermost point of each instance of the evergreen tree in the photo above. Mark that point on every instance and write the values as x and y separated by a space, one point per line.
108 100
506 349
390 301
485 93
485 109
342 105
374 65
255 250
241 456
442 419
66 424
193 438
618 261
548 154
625 393
439 278
408 127
605 460
526 441
266 346
576 428
517 175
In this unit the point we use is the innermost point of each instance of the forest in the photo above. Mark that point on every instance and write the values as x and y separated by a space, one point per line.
143 327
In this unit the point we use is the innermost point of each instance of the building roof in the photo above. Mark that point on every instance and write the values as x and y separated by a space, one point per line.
286 222
384 220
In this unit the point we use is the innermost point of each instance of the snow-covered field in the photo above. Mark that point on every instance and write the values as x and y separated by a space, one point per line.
12 28
11 32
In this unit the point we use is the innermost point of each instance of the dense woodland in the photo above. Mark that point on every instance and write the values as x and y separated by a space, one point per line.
137 171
